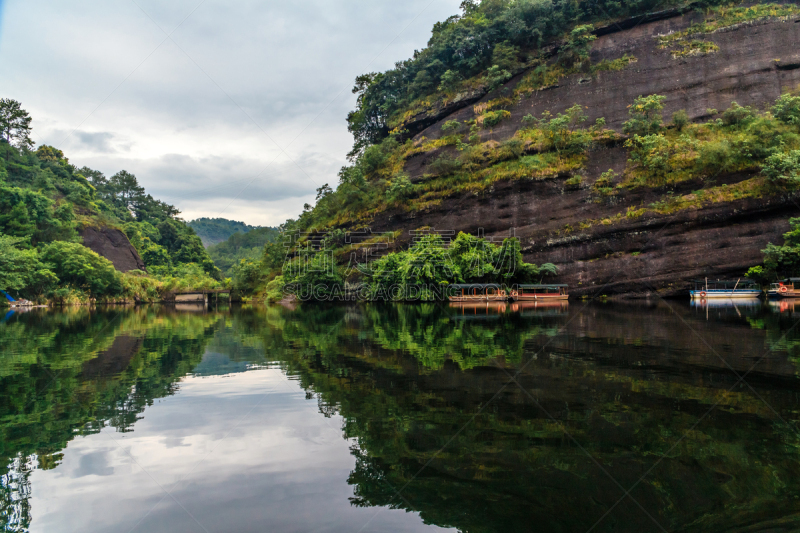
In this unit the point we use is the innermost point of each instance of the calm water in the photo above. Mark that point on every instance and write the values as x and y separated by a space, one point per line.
401 418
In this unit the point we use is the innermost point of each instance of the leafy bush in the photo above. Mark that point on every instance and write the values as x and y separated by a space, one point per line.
451 127
562 131
787 109
491 119
783 166
646 115
468 259
80 267
443 165
399 188
680 119
495 77
737 115
575 50
21 269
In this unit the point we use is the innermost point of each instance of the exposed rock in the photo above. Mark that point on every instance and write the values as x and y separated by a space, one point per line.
755 63
114 245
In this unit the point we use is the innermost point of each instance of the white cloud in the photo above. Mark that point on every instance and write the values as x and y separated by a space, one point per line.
246 84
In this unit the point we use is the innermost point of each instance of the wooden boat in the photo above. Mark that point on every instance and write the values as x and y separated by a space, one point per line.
728 289
787 288
539 292
476 292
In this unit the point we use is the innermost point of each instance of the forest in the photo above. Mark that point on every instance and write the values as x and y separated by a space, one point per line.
44 203
216 230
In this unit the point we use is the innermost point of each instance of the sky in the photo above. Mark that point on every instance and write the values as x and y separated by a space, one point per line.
232 110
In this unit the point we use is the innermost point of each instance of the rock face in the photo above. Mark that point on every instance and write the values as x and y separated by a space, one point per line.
755 63
114 245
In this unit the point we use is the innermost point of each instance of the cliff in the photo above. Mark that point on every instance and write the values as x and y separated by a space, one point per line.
622 244
113 245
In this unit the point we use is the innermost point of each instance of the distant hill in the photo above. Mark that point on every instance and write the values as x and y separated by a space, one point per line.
241 246
215 230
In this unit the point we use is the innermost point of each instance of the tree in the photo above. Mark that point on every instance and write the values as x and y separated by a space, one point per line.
646 115
21 269
15 124
82 268
575 50
125 189
785 166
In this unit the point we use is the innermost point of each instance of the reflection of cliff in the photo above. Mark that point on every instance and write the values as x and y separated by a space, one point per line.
470 457
72 373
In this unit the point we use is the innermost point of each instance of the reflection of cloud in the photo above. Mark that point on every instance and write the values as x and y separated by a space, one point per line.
93 464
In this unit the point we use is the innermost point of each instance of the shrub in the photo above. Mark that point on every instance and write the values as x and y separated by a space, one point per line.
21 269
737 115
445 164
495 77
787 109
783 166
680 119
82 268
451 127
561 131
575 50
573 183
646 115
399 188
449 80
492 118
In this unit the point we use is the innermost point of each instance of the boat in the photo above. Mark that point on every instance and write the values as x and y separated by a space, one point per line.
476 292
728 289
22 302
787 288
539 292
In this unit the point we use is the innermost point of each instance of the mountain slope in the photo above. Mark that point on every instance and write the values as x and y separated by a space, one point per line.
215 230
635 156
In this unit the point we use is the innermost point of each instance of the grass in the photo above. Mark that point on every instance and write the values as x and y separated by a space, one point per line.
548 75
719 18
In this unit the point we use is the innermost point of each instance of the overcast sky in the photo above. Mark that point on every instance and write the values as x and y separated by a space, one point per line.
224 109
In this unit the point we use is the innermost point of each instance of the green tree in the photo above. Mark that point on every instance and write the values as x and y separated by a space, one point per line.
787 109
17 222
76 265
575 50
646 115
783 166
15 124
21 269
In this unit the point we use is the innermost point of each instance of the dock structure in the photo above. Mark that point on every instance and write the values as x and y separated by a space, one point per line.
197 295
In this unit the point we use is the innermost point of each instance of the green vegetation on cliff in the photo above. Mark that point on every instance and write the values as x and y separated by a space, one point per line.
44 202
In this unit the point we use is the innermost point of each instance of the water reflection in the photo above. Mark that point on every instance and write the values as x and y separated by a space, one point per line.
504 417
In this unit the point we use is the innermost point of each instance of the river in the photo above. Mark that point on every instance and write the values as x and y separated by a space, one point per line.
364 418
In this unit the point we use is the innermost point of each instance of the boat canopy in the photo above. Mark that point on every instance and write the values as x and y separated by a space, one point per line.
725 284
551 286
475 286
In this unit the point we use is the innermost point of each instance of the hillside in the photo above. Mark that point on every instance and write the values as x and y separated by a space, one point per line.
247 246
635 154
215 230
72 235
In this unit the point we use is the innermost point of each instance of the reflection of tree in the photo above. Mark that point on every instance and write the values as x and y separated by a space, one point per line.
506 465
74 372
15 489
